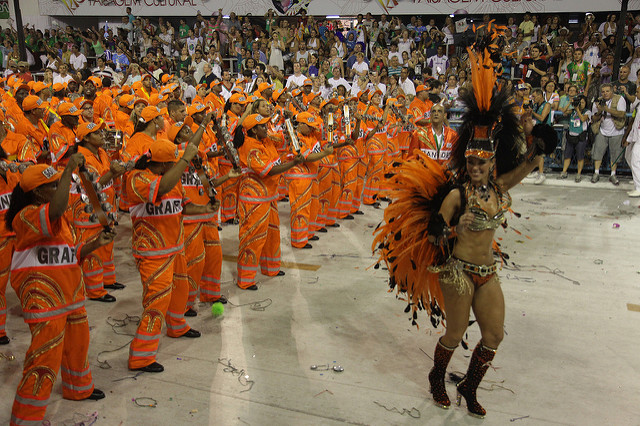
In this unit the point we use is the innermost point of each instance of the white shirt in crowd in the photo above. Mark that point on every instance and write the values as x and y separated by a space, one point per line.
607 127
438 64
57 78
78 62
360 67
199 72
407 87
335 82
297 80
373 87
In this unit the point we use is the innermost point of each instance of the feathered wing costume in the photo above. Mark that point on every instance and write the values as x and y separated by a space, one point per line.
418 187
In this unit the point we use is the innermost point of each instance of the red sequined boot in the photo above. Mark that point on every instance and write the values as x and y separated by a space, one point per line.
480 361
441 357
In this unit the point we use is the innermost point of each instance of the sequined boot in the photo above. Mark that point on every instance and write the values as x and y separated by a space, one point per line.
480 361
441 357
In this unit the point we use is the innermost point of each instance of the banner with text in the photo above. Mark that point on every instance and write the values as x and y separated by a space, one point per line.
318 7
4 9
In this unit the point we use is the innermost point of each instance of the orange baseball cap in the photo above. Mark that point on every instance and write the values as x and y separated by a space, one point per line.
241 80
165 78
32 102
40 86
296 92
308 119
196 108
164 151
67 108
140 101
80 102
174 130
149 113
59 86
308 82
333 101
421 88
253 120
19 84
126 101
156 98
95 80
377 91
276 94
214 83
136 85
37 175
126 88
239 98
85 128
264 86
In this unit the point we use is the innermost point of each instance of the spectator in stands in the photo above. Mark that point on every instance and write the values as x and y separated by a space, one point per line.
580 71
439 62
623 86
77 60
609 117
297 78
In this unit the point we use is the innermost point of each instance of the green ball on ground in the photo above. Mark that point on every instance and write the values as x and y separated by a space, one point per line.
217 309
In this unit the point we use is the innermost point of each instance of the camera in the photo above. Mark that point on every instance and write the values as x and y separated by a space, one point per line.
575 102
526 106
602 102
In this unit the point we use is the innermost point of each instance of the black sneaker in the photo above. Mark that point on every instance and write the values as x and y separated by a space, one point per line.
154 367
191 313
106 298
114 286
314 238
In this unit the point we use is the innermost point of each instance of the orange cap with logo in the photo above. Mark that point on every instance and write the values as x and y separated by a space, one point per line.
37 175
253 120
164 151
85 128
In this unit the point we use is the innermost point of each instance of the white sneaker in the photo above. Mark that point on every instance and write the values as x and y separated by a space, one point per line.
540 179
633 194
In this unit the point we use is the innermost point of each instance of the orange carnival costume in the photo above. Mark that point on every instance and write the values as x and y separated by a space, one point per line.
352 167
328 182
158 247
98 269
302 180
62 137
376 147
48 281
8 181
229 189
437 147
259 231
209 278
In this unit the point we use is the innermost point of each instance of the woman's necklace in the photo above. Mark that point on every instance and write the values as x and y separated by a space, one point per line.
482 192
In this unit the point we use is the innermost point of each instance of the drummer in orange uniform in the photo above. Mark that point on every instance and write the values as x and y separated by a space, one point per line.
259 231
48 281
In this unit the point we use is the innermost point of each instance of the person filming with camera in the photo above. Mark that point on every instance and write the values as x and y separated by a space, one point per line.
608 124
579 116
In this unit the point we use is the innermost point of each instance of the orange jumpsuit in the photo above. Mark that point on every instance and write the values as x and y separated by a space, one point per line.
194 248
60 137
304 206
123 122
277 130
376 148
404 136
350 160
212 265
259 230
33 145
98 268
7 242
420 109
48 281
436 147
328 184
158 247
229 189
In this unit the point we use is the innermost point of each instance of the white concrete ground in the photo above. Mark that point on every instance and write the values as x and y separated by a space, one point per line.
570 355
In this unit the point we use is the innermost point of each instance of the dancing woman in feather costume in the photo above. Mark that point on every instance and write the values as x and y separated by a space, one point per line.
437 237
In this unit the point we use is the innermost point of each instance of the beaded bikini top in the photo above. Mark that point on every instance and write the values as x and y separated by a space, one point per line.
482 221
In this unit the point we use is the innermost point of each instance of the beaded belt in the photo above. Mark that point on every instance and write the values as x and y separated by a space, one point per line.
481 270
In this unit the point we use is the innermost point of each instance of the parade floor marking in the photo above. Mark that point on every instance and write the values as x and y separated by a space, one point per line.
289 265
633 307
